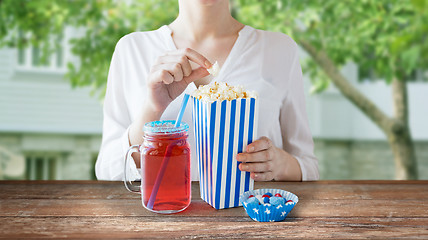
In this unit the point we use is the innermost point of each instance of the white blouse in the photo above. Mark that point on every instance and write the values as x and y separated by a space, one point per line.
266 62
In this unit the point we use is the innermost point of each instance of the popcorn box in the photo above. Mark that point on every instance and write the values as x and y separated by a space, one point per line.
222 130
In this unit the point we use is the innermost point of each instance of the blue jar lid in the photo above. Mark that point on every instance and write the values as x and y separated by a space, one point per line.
165 126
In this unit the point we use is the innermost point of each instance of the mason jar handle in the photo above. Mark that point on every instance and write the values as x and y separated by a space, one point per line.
128 183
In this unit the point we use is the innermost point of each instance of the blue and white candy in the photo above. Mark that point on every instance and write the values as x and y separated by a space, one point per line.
277 201
267 198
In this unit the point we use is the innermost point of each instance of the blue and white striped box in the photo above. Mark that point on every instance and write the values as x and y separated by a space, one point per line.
222 130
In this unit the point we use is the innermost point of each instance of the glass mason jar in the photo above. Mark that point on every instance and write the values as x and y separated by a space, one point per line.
165 167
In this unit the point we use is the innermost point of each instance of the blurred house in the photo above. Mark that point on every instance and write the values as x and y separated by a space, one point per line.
53 129
50 131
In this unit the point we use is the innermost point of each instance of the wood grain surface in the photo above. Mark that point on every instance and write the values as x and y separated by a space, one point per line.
326 209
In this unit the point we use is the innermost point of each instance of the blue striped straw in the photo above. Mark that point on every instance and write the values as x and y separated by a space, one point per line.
167 155
182 108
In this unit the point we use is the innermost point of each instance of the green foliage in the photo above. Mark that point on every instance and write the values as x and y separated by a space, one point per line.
386 38
100 24
104 30
42 19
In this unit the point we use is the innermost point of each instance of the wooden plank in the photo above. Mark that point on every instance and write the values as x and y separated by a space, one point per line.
320 182
49 190
212 228
351 190
327 209
121 207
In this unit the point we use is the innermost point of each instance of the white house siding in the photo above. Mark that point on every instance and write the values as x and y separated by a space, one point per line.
37 102
6 63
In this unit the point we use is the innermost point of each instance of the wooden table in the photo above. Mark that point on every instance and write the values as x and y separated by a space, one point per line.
326 209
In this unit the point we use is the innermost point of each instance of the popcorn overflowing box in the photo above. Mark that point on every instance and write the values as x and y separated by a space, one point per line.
225 121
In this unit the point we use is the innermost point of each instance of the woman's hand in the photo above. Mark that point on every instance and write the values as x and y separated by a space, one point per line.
171 74
266 162
168 78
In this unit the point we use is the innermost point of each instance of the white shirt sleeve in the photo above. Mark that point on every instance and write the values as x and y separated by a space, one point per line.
297 138
115 143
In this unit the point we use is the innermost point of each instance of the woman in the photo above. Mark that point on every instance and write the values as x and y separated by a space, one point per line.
150 71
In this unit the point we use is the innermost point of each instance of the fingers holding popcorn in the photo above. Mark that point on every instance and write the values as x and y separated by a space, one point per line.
164 76
195 57
175 59
172 69
171 74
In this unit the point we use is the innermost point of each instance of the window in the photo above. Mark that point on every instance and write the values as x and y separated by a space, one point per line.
44 166
30 58
421 76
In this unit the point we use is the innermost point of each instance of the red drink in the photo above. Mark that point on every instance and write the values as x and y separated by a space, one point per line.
174 188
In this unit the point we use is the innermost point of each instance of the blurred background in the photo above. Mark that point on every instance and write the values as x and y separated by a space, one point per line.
365 65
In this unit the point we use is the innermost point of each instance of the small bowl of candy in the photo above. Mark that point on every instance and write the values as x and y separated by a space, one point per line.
268 205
